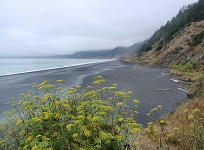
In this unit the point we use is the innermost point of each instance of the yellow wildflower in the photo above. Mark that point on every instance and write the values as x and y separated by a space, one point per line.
34 85
38 136
135 130
149 123
114 84
75 135
118 137
68 127
111 98
25 147
175 128
42 83
104 88
25 103
90 94
95 118
112 88
136 101
120 119
36 96
119 93
120 103
36 119
159 106
104 135
57 102
46 115
19 122
78 87
99 77
35 147
148 114
162 121
135 143
154 109
71 91
29 138
148 130
186 110
155 129
80 117
57 115
46 96
129 92
22 132
26 96
87 133
190 116
195 110
59 81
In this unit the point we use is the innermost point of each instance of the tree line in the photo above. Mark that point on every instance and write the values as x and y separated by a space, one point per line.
187 14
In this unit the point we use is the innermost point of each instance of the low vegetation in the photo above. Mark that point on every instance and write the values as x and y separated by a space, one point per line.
189 66
96 117
51 118
183 128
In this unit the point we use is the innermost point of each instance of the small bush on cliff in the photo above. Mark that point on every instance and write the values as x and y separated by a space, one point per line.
190 66
95 117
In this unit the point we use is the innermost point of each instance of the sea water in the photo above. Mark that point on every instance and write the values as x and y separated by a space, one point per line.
9 66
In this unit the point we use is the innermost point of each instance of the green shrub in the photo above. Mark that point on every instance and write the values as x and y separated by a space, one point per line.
190 66
159 48
94 117
197 39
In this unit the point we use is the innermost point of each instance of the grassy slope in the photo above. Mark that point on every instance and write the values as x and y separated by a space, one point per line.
178 50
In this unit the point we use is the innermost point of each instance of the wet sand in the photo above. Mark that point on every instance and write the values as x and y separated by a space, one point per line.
140 80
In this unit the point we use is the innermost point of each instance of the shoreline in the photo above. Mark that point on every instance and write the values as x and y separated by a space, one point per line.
47 69
140 80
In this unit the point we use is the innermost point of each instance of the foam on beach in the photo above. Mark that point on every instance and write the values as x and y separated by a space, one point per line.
60 67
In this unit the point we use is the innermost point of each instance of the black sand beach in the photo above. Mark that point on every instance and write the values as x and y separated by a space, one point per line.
140 80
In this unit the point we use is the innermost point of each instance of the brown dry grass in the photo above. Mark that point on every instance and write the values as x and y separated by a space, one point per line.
175 132
168 54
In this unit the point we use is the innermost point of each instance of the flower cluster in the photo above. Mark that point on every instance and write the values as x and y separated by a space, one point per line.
95 117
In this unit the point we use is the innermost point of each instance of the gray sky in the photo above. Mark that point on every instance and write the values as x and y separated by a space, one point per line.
49 27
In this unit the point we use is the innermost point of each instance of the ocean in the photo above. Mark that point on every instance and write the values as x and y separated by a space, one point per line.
10 66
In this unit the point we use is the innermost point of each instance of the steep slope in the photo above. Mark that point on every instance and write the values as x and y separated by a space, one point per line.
179 41
186 44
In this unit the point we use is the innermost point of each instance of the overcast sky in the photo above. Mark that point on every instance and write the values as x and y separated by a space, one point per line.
50 27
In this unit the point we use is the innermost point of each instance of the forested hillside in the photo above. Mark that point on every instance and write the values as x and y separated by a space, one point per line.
178 42
186 15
